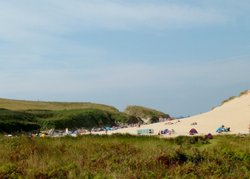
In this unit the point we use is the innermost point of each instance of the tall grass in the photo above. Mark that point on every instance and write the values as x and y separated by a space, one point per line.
125 156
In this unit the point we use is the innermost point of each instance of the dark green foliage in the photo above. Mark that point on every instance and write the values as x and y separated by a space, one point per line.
186 140
7 115
41 113
16 121
14 127
154 119
119 117
87 118
125 118
133 120
22 115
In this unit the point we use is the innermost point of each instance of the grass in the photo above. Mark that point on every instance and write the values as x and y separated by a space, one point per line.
144 113
125 156
232 98
16 121
20 115
41 105
229 99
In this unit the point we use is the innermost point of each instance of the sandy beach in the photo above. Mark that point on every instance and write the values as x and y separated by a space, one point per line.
234 114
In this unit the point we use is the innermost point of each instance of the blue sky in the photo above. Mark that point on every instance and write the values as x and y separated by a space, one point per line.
181 57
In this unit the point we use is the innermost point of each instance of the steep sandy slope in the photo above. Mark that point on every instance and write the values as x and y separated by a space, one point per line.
234 114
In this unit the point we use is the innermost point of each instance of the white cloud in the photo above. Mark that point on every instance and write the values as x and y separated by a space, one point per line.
29 19
33 32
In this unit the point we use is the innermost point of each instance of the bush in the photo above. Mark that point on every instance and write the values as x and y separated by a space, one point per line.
124 156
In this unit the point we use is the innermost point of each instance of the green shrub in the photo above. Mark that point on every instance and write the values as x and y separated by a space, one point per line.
124 156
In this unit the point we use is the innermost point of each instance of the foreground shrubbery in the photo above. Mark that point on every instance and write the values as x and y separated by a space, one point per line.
125 156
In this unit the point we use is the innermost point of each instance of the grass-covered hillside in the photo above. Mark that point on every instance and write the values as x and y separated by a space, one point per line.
147 114
13 121
17 121
19 115
41 105
124 156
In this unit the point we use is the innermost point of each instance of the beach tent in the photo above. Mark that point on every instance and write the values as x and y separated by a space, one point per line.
209 136
165 131
193 131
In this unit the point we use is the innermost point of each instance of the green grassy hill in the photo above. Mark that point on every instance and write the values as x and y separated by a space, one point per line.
41 105
13 121
16 121
145 113
20 115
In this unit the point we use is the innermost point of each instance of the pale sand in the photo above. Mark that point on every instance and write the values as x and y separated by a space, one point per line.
234 114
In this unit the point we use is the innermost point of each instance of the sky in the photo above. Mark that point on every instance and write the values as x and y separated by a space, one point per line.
180 57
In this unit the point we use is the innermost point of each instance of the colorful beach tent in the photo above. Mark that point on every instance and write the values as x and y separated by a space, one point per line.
209 136
193 131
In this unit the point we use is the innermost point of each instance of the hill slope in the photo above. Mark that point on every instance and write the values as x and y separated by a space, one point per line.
234 113
146 114
41 105
20 115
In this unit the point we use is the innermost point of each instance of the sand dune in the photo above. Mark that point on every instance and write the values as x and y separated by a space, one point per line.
234 114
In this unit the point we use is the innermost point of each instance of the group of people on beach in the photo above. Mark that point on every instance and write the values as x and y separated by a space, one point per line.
223 129
166 131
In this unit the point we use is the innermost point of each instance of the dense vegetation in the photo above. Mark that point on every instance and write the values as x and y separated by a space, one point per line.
17 121
13 121
17 115
147 114
125 156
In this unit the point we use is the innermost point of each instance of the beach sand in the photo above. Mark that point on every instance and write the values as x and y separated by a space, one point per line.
234 114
